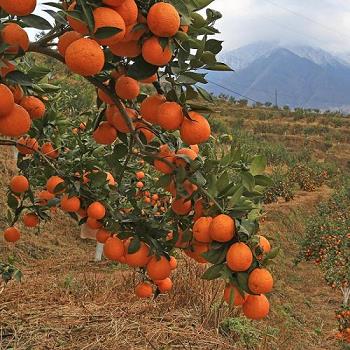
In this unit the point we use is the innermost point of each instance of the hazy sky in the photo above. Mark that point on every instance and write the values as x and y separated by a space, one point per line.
319 23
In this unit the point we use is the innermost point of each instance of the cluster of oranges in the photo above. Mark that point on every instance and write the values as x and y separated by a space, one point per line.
343 318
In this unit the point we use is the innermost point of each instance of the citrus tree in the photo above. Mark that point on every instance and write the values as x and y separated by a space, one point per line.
140 167
327 243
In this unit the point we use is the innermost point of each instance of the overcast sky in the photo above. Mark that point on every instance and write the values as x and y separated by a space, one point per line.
319 23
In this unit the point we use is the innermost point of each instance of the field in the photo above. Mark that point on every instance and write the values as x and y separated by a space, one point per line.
67 301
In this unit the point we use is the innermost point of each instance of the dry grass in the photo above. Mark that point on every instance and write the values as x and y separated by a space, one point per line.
66 301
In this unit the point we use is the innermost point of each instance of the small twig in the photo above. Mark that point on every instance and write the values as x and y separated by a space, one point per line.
206 193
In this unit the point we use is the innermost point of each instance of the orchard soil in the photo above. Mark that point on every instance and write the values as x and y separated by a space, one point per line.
67 301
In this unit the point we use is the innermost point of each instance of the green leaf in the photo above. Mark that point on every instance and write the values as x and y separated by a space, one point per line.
248 180
272 254
88 15
12 201
201 4
134 245
98 179
36 22
223 181
120 151
163 181
204 94
258 165
213 272
242 279
17 77
141 69
263 180
236 196
219 67
106 32
214 46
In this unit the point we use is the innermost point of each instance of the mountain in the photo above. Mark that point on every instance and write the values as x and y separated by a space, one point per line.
302 76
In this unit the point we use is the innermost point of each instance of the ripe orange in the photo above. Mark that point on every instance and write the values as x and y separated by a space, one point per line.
19 184
30 220
18 93
162 166
105 134
201 229
128 10
70 204
113 2
12 235
35 107
107 17
195 148
195 131
44 197
85 57
237 298
140 184
149 107
260 281
163 20
127 88
104 97
264 244
18 8
188 152
102 235
158 269
16 37
197 250
256 307
239 257
115 118
65 40
52 183
173 263
198 209
96 210
170 116
181 206
7 101
110 179
93 223
77 25
129 49
27 145
113 248
6 68
222 228
140 175
153 52
189 187
48 149
133 33
16 123
138 259
147 133
144 290
164 285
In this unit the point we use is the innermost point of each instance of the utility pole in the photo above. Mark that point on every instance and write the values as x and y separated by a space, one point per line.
276 98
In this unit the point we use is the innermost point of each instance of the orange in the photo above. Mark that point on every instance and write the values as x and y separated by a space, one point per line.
264 244
102 235
85 57
140 175
138 259
30 220
256 307
44 197
147 133
170 116
78 25
164 285
115 118
173 263
128 10
188 152
70 204
96 210
27 145
189 187
181 206
18 7
153 52
106 17
195 130
237 298
165 167
195 148
35 107
140 184
53 182
260 281
6 67
48 149
198 209
18 93
130 49
93 223
113 2
113 248
197 250
16 123
222 228
110 179
150 106
104 97
144 290
19 184
65 40
239 257
105 134
12 234
7 100
201 229
134 33
127 88
163 20
158 269
16 37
